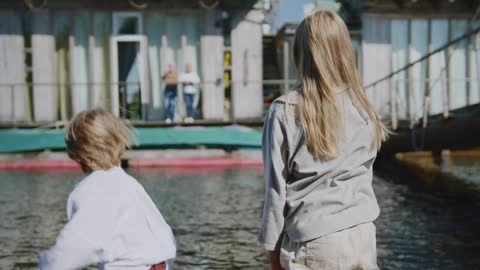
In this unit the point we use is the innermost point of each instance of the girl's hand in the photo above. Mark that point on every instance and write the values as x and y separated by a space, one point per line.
274 259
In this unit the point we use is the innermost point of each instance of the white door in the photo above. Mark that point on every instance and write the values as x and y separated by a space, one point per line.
129 85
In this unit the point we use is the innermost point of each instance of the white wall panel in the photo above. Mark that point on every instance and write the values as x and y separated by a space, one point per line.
377 52
44 79
79 61
400 59
418 48
458 66
247 69
213 94
439 37
12 59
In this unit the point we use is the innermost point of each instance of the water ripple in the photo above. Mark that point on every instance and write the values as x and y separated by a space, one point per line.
215 218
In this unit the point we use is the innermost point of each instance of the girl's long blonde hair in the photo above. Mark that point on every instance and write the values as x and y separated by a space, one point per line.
324 59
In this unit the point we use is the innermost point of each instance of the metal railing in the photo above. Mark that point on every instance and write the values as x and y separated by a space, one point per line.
444 79
58 100
26 100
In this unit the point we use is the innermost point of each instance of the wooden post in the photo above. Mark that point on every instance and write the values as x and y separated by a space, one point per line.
393 103
184 50
286 75
212 59
12 106
467 67
44 78
247 99
445 75
92 89
410 114
426 99
114 83
477 46
446 88
144 82
12 67
426 108
62 82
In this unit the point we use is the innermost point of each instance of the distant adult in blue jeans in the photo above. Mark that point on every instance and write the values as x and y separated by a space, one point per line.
189 103
190 81
170 94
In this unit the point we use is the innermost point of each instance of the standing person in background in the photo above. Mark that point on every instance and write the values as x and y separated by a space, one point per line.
190 81
319 144
170 94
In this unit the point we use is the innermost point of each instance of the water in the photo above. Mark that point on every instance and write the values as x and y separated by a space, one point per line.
215 216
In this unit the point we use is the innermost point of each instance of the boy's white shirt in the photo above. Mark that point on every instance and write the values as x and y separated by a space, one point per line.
112 223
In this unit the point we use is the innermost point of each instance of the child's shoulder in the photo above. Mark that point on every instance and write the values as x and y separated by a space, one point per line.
102 183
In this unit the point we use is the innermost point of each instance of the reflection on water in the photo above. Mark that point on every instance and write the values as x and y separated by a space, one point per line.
215 216
465 168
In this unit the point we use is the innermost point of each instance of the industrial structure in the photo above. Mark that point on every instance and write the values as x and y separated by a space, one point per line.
419 59
59 57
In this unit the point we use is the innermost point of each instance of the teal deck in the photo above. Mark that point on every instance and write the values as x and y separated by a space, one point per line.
226 137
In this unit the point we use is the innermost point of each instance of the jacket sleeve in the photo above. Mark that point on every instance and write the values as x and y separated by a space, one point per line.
83 240
275 154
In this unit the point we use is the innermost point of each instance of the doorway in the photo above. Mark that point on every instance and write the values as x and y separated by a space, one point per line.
129 77
129 70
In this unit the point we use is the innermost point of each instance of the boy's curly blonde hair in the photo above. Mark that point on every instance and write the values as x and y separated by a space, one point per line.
97 140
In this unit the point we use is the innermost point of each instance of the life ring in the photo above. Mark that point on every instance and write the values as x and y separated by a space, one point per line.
203 5
32 6
136 5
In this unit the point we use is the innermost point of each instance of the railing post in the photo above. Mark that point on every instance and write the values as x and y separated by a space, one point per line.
427 94
12 94
410 114
393 103
477 53
426 108
286 64
468 69
446 84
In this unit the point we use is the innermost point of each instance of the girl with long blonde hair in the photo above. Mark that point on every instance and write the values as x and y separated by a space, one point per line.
319 144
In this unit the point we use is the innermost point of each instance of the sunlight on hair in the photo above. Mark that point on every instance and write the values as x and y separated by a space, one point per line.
325 63
96 139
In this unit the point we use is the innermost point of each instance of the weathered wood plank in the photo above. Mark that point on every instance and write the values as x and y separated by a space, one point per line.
376 48
99 55
44 79
247 65
79 62
12 69
211 42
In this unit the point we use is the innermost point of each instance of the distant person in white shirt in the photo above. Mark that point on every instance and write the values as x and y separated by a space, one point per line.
112 222
189 80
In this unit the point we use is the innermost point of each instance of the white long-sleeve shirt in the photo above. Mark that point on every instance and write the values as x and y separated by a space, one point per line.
112 223
190 81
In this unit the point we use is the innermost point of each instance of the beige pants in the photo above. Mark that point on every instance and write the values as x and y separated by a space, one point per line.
350 249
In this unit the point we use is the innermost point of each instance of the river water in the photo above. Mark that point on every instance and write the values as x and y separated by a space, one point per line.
215 216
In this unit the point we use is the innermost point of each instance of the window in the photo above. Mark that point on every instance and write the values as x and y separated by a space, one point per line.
127 23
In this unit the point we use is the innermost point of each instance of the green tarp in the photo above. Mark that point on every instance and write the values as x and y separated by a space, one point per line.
229 137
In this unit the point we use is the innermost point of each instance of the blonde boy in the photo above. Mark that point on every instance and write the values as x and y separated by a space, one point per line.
112 222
